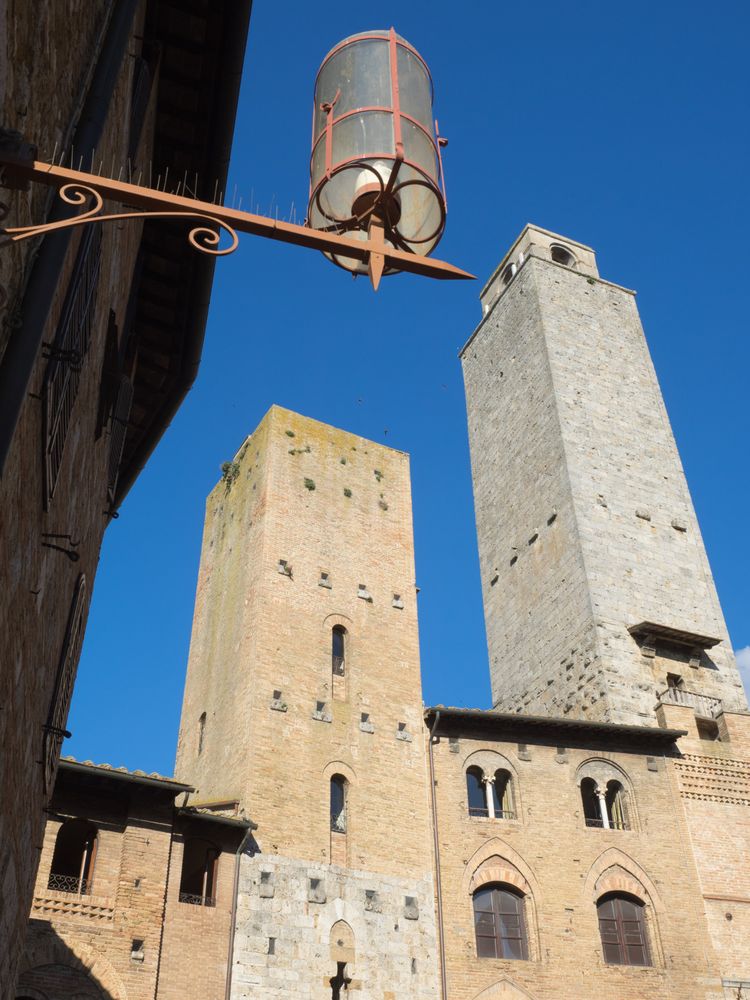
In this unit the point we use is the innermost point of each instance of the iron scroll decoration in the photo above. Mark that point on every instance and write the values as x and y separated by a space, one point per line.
202 237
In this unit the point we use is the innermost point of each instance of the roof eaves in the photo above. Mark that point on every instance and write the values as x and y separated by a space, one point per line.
122 774
644 734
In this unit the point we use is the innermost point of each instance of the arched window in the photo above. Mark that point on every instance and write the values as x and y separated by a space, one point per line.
338 803
338 650
73 858
200 865
502 795
561 255
475 792
499 923
201 731
590 800
623 930
616 808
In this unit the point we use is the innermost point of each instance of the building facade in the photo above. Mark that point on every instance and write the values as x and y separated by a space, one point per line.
100 336
587 835
134 892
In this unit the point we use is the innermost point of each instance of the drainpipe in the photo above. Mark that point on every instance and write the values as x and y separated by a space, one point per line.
22 349
438 884
233 924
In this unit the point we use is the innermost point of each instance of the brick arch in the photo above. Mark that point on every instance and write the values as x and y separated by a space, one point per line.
614 871
501 854
617 879
602 770
337 618
490 761
339 767
54 950
504 989
496 869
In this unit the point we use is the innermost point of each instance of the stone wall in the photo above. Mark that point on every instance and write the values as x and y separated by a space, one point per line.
585 521
291 938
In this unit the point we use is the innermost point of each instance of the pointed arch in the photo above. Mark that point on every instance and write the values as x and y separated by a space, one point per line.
495 863
506 856
341 942
613 870
504 989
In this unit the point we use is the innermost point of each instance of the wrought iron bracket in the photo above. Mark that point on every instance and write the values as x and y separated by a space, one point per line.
89 192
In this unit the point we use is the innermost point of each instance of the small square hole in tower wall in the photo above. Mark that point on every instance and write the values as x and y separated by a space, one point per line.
137 953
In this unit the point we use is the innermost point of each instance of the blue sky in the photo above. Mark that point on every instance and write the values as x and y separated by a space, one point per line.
620 125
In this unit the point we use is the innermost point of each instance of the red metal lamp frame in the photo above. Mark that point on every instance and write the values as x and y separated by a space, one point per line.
378 209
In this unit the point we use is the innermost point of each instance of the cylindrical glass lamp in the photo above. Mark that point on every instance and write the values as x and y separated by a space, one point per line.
375 153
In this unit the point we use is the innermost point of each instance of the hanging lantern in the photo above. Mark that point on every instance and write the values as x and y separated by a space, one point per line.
375 169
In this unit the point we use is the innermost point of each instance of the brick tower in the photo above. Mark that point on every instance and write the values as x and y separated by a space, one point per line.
303 702
597 590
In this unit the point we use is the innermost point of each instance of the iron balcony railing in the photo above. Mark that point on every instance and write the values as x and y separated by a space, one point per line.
702 704
484 812
597 821
197 900
70 883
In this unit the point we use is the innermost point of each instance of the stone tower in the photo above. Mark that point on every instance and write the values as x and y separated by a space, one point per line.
597 590
303 702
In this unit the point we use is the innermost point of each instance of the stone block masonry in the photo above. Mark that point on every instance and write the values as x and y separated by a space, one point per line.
289 942
585 522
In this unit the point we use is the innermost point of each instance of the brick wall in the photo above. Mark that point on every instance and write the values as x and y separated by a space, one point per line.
564 868
49 56
324 502
135 897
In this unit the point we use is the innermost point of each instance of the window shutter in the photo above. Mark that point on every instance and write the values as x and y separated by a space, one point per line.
67 354
54 730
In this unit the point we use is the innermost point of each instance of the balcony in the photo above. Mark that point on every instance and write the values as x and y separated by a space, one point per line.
703 705
70 883
193 899
483 813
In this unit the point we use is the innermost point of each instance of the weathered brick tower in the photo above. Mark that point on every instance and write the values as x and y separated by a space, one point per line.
303 702
597 590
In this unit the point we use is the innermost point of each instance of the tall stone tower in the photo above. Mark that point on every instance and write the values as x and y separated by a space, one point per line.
597 590
303 702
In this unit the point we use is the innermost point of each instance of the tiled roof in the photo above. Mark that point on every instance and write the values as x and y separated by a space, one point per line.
124 772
